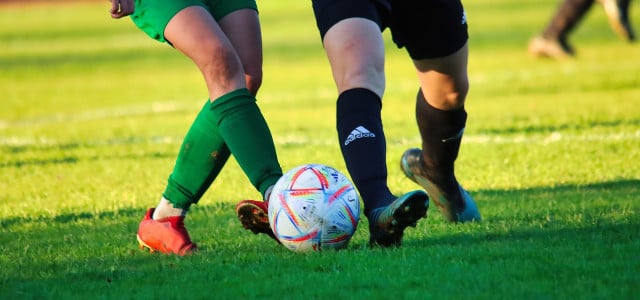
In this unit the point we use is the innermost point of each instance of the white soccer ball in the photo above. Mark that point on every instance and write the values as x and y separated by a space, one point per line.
314 207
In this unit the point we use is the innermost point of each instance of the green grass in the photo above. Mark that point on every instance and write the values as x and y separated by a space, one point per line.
93 112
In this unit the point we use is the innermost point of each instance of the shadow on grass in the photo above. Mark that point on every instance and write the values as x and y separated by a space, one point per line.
629 232
99 249
524 222
562 127
78 159
619 187
66 155
623 185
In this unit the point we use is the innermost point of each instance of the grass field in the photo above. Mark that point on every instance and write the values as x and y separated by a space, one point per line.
93 112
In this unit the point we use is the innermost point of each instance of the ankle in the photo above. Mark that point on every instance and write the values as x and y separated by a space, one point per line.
166 209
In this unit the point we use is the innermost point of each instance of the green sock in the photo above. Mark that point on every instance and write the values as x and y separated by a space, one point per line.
245 131
202 155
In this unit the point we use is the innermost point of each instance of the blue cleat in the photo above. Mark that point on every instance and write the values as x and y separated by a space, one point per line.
456 208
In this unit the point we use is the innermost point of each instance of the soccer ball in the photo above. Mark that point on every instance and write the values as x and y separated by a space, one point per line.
314 207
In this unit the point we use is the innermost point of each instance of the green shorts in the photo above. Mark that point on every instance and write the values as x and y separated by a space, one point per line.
152 16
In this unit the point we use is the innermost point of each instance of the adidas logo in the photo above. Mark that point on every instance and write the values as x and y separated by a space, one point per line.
359 132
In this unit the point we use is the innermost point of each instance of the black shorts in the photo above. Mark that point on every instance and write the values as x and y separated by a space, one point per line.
426 28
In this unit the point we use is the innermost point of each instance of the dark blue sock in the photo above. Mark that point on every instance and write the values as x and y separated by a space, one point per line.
363 145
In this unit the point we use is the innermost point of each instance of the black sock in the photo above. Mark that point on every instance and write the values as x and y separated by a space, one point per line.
441 132
363 145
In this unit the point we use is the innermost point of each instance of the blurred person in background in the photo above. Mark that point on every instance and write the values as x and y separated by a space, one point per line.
553 42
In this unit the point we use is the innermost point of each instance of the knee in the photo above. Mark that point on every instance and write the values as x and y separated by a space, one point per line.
254 80
221 65
370 77
447 94
456 97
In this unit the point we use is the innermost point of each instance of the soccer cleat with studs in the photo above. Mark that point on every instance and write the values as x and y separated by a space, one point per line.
462 209
167 235
253 216
387 223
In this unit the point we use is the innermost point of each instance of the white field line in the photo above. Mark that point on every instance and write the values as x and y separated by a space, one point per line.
175 106
289 140
123 111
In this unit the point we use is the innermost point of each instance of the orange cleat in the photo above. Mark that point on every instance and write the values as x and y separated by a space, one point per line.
166 235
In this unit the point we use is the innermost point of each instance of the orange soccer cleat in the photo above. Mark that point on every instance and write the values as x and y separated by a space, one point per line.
167 235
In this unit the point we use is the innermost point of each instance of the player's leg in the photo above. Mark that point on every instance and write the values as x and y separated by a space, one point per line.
440 112
248 44
162 228
351 36
441 118
618 14
233 110
356 53
242 27
215 132
553 42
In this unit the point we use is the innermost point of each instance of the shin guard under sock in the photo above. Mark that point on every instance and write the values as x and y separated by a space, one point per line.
363 145
202 155
247 135
441 133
